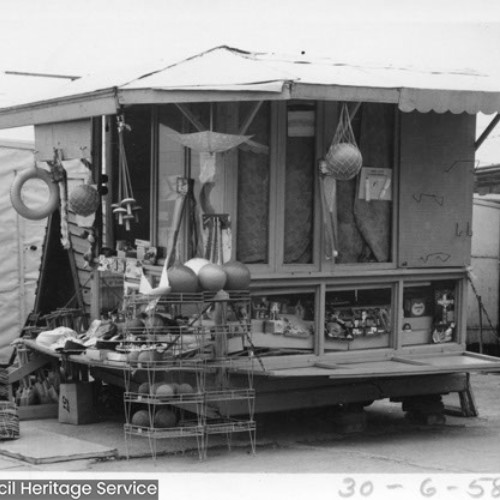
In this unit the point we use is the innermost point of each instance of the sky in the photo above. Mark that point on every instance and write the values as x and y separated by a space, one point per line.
76 37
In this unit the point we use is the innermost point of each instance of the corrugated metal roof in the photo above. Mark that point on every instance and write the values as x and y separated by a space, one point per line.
226 73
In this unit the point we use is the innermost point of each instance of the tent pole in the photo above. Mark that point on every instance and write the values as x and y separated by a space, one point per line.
487 131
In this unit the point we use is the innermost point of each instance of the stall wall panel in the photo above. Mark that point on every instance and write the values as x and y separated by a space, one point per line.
436 183
485 271
74 138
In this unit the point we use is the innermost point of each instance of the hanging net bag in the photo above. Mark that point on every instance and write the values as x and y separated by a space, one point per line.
343 159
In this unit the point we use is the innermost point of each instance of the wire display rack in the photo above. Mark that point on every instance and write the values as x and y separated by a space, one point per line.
178 376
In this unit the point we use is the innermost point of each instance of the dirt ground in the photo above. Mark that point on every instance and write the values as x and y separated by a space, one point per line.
300 453
307 442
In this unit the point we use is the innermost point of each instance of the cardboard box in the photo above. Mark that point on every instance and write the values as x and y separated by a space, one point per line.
76 403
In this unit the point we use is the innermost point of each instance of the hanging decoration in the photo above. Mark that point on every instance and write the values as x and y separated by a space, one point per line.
208 143
342 162
18 202
59 175
126 208
343 159
84 200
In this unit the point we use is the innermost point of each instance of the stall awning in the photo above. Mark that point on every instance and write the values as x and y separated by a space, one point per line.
229 74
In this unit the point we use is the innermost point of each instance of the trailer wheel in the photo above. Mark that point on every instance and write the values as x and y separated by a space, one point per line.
17 200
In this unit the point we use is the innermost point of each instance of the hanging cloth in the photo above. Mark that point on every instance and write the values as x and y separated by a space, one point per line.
328 193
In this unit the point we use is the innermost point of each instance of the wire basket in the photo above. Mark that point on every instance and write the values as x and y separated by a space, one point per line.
9 421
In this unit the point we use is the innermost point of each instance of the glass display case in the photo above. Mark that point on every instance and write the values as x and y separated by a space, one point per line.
284 319
358 318
429 313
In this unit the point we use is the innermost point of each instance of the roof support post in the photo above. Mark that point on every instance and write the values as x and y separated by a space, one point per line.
487 131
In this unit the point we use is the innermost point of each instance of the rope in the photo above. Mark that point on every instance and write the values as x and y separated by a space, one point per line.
344 132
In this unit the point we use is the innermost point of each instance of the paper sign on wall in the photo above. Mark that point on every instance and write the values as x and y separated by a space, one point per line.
375 184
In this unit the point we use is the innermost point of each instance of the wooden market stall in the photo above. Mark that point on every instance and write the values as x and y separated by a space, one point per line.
358 274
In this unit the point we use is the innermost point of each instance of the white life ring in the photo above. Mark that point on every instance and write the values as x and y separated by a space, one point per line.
17 200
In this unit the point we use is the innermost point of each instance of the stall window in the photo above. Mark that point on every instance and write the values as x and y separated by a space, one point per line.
171 168
299 183
362 221
429 315
278 198
358 318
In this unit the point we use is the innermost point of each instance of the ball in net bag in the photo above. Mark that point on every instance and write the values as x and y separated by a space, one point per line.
343 161
84 200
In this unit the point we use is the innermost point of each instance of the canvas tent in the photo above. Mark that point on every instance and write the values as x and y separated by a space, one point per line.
21 242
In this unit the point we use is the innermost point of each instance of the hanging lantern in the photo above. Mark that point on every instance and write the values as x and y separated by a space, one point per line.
84 200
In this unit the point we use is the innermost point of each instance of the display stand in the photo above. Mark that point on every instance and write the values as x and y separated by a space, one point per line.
186 388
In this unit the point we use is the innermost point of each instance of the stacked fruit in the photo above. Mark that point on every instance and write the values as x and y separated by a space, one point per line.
201 274
161 418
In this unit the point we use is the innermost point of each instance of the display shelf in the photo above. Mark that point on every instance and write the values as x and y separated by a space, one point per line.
197 397
179 431
225 426
187 353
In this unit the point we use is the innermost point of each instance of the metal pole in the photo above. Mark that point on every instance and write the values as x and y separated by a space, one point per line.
480 306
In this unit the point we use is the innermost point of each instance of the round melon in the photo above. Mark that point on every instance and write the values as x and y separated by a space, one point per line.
165 418
141 418
154 388
182 279
196 264
165 390
143 388
212 277
185 389
149 356
238 276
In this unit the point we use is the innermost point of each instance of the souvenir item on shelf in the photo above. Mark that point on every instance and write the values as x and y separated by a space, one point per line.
444 326
350 323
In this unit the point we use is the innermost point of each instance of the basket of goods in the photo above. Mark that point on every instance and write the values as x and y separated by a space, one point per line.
9 420
343 160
